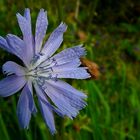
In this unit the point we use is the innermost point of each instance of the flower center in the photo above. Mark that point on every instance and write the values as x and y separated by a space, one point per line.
41 68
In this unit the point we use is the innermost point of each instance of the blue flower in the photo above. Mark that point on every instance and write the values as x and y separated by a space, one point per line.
42 71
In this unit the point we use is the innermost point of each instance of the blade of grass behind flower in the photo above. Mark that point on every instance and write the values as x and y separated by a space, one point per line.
3 131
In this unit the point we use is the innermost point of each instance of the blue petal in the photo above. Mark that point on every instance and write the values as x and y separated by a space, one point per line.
75 73
52 44
25 26
23 107
54 64
17 47
54 40
11 85
73 96
66 72
48 116
69 54
67 66
32 105
14 45
65 56
66 87
11 67
27 14
41 26
41 95
46 110
60 101
4 45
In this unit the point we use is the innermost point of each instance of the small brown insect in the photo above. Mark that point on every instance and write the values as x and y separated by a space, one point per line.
93 68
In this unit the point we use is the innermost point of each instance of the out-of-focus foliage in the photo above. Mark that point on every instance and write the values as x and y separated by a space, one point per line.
110 30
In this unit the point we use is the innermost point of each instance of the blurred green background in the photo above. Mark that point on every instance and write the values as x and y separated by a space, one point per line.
110 30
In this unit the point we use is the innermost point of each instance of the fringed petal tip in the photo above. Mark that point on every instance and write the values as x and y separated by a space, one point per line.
53 131
63 26
42 10
80 50
27 10
18 15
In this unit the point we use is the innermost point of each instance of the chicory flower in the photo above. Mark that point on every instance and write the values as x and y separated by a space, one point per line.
42 70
